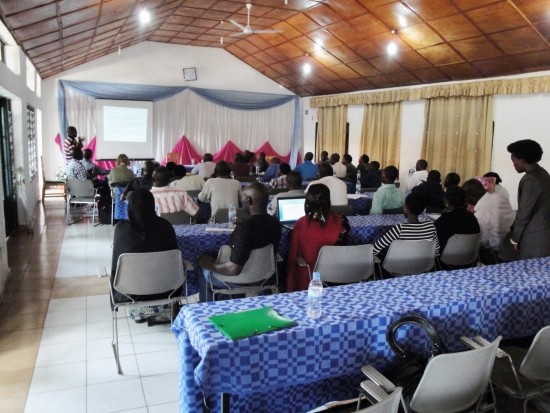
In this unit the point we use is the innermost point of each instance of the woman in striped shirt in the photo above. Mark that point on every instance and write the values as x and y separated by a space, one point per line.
413 229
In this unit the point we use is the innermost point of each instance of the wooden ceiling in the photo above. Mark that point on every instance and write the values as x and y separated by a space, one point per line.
344 41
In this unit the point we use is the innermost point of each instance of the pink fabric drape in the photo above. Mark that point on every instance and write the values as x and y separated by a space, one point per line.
227 153
269 151
188 152
91 146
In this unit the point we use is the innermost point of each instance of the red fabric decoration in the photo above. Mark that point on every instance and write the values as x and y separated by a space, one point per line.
101 164
227 153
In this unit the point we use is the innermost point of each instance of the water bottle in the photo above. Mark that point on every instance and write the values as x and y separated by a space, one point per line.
314 296
358 187
193 161
157 210
232 216
358 175
257 169
232 175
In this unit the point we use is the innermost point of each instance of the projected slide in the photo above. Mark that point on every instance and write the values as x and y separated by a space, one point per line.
124 124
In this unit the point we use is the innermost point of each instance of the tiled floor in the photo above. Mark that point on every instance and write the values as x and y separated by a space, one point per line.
55 329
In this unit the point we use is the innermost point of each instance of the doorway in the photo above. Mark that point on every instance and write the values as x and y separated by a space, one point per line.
8 167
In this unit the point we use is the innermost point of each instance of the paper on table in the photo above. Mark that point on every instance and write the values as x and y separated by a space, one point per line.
435 217
211 229
356 196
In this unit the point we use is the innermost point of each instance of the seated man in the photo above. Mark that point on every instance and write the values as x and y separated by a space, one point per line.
324 159
168 200
419 175
280 181
413 230
74 169
272 170
351 170
91 168
294 185
259 230
494 215
188 183
308 169
145 181
433 192
388 196
337 187
239 167
452 179
337 167
206 168
362 165
221 190
372 178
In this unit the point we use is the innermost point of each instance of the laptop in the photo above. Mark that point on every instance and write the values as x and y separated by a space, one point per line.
290 210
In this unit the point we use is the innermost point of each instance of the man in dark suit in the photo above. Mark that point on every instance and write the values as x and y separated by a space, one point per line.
530 235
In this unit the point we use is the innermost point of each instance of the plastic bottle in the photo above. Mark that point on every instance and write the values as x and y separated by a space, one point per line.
314 296
193 161
232 175
257 168
157 211
358 175
232 216
358 187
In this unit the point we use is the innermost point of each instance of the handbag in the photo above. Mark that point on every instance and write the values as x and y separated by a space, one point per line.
410 373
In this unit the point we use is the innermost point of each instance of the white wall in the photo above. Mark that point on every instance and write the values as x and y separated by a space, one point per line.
151 63
516 117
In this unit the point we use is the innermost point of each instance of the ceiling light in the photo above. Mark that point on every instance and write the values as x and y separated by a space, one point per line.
144 16
307 68
402 21
318 45
392 46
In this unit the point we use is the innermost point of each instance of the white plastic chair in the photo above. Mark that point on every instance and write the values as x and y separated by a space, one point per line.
259 268
461 249
410 257
343 264
382 402
178 218
529 379
142 274
80 191
347 210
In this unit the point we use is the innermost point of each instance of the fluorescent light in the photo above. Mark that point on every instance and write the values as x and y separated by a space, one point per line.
392 48
307 68
144 16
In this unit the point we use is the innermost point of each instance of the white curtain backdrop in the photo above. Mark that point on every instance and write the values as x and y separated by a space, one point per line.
81 114
208 126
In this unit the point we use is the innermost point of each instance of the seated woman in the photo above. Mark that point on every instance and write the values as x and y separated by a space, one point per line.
499 189
319 227
458 220
412 230
143 232
121 173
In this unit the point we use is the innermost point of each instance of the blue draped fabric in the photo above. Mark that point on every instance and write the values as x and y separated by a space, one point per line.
230 99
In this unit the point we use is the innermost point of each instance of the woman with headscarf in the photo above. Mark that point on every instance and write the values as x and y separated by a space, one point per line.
143 232
319 227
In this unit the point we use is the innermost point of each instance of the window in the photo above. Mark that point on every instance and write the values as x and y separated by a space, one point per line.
31 133
31 74
2 55
38 85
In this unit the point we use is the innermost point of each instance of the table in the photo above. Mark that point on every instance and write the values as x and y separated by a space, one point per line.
316 361
362 205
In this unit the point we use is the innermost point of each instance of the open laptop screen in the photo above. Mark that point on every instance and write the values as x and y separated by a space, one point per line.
290 209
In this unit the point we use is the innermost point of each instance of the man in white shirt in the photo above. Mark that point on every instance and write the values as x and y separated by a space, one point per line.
221 191
187 183
338 189
493 212
338 167
420 175
206 167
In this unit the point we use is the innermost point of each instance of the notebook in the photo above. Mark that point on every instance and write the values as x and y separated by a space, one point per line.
290 210
249 323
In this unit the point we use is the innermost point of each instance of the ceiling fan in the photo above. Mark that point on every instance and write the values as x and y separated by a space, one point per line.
247 30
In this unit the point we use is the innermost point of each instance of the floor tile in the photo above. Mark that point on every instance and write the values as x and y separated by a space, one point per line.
98 289
15 383
105 370
102 348
65 318
101 314
69 282
65 304
147 343
69 292
36 284
43 294
29 307
18 359
40 274
161 389
99 301
13 405
58 377
68 400
115 396
140 410
20 339
104 329
143 328
63 334
61 353
165 408
159 362
22 322
71 272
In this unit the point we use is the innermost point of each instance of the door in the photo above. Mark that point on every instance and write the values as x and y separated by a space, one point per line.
8 167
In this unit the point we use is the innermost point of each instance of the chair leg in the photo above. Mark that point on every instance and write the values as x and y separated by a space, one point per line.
115 344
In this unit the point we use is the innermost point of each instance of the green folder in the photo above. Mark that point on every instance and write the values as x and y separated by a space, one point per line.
250 323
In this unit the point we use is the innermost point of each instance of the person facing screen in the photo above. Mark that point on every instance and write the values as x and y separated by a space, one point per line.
319 227
121 173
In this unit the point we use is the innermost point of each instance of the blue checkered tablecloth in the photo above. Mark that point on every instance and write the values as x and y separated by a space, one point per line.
361 206
320 360
121 207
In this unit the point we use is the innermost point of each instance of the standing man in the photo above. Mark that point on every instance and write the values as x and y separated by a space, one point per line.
307 169
70 143
530 235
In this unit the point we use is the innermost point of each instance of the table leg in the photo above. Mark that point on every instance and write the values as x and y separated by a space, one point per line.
225 402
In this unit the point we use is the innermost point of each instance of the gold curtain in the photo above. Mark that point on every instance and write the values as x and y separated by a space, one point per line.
331 129
538 84
381 135
459 135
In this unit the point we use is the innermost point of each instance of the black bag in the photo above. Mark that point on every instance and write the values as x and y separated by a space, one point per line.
411 372
105 214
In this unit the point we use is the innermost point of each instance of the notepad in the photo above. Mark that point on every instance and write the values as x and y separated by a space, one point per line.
215 229
250 323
